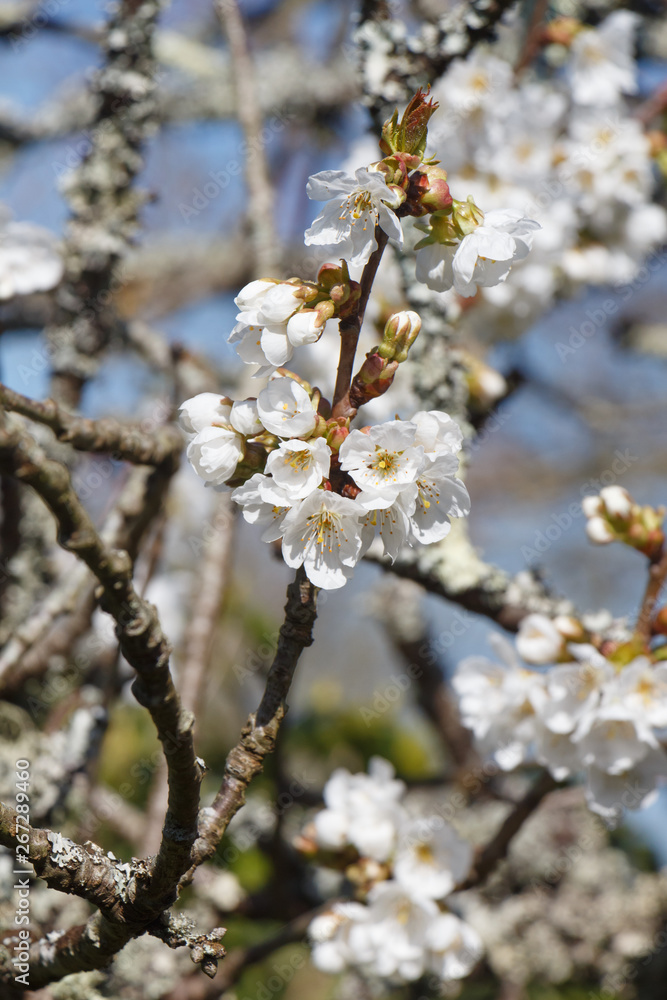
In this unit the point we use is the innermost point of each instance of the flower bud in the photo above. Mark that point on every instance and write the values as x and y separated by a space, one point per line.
400 333
599 531
333 274
434 193
592 506
409 135
466 216
617 501
335 432
570 628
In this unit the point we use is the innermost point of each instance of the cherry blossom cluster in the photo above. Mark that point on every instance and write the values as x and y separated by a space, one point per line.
398 479
403 867
463 248
567 151
613 516
589 715
296 466
559 144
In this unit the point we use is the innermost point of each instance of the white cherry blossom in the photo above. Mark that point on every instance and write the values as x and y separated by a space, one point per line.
355 205
263 503
335 937
610 795
384 461
363 810
324 534
204 410
642 687
500 704
272 321
454 947
538 640
573 690
298 467
430 858
217 429
439 496
601 65
613 738
392 524
397 929
484 257
436 432
285 409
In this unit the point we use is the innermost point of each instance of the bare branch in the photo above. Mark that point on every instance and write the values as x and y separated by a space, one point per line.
260 196
123 441
258 738
488 857
147 650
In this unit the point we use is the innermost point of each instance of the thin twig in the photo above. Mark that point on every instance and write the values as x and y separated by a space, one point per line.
206 603
258 738
657 574
350 328
488 857
260 195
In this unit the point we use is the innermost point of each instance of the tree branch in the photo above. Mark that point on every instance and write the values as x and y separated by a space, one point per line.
258 738
124 441
147 650
266 248
488 857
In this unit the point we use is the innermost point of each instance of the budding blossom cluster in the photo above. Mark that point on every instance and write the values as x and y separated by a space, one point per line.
404 867
297 467
562 146
402 476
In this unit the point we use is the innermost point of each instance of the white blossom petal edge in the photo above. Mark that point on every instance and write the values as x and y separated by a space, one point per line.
355 206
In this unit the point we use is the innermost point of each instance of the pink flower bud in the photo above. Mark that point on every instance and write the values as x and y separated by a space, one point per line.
435 193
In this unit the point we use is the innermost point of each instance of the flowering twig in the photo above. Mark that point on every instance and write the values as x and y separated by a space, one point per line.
350 327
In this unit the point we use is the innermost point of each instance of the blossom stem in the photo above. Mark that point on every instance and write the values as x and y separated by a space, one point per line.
656 579
350 328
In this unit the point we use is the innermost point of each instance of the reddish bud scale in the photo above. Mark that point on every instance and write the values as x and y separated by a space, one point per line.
409 135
